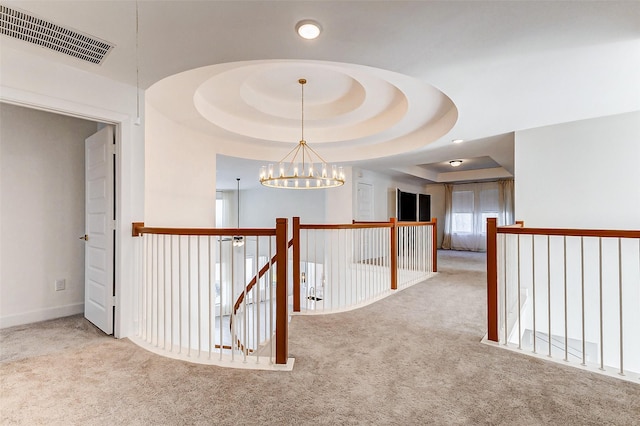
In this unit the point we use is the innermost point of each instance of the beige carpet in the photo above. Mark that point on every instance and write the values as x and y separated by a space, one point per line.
411 359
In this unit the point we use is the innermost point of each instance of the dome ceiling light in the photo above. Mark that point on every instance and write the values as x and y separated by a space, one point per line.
308 29
297 169
455 163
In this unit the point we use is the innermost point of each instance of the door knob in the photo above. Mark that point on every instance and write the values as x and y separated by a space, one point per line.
85 237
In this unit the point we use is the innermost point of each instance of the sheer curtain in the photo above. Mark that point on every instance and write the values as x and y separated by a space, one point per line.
467 207
446 239
506 202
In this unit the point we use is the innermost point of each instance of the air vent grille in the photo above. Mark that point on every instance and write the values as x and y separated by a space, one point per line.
21 25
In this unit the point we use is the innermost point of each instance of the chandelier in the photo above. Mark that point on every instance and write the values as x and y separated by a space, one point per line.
302 167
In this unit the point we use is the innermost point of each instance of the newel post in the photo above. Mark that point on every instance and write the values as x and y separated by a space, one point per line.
296 264
136 229
282 314
394 253
492 278
434 243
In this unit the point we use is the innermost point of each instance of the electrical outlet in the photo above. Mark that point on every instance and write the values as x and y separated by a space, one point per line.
60 284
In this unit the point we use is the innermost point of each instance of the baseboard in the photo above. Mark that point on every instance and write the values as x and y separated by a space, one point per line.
41 315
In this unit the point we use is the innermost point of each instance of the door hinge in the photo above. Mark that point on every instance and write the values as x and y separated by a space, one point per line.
112 148
113 225
113 301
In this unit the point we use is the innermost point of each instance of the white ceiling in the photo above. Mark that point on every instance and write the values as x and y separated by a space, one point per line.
506 66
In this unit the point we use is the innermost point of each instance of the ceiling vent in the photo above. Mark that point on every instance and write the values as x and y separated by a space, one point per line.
23 26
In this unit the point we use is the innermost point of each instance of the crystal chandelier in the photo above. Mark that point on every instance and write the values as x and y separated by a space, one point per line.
302 167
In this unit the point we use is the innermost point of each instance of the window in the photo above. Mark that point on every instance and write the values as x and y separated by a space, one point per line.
483 221
219 210
488 197
463 223
471 205
462 206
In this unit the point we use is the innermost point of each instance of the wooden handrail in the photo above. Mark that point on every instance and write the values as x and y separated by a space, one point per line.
605 233
366 221
256 277
515 225
363 224
348 225
432 223
138 229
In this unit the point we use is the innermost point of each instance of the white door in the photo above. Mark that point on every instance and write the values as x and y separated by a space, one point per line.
364 212
364 200
100 229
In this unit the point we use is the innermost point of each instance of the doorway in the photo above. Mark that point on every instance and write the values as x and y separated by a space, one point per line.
41 214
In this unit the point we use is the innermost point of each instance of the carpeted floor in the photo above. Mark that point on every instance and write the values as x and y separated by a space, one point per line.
411 359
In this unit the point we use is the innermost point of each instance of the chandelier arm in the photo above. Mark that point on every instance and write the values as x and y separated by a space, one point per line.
317 155
309 155
295 148
304 151
295 154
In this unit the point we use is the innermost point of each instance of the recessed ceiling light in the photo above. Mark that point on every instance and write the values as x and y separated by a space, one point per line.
308 29
455 163
457 140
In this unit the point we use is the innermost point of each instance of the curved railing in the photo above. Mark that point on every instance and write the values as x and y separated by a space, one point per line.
194 301
242 297
199 300
344 266
566 294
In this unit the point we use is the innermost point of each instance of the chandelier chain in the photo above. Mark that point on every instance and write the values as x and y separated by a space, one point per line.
302 141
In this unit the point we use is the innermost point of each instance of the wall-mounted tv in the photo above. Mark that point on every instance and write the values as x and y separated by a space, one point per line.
407 204
412 207
424 207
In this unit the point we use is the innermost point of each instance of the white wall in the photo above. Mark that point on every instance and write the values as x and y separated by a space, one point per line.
384 192
260 206
42 214
180 175
583 174
50 84
339 201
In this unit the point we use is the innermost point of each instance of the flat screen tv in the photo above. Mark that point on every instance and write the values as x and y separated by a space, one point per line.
407 204
424 207
413 207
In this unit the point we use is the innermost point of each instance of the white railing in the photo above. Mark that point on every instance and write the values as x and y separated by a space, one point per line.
221 296
416 248
569 295
210 296
342 267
